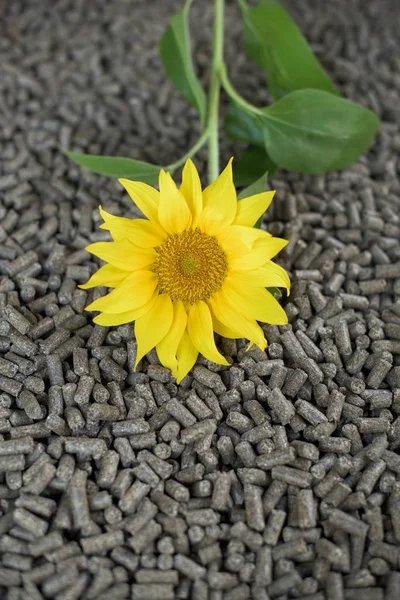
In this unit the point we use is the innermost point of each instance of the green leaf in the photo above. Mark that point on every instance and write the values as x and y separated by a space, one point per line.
115 166
276 292
314 132
257 187
243 126
251 165
275 43
175 54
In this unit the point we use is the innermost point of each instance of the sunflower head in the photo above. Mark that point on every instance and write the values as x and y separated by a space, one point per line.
195 266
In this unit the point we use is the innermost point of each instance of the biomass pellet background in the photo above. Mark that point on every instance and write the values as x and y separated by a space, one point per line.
275 478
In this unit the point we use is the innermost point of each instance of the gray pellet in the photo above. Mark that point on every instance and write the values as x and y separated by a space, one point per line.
306 511
334 586
378 373
283 408
274 526
346 522
276 458
310 413
145 536
22 445
46 544
198 430
133 496
292 476
273 494
221 492
108 469
112 370
99 544
124 449
370 476
84 389
81 361
27 402
342 337
283 584
10 386
54 340
188 567
140 441
180 413
247 536
254 507
95 448
12 462
102 412
153 591
32 523
125 557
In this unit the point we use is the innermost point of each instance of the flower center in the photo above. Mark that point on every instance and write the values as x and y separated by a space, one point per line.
190 266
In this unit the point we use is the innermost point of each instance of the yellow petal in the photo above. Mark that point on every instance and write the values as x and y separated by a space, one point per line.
152 327
256 303
250 209
144 196
219 201
167 348
123 254
173 212
109 320
191 189
266 276
237 241
107 275
262 251
133 292
223 330
139 231
278 272
223 309
201 332
186 357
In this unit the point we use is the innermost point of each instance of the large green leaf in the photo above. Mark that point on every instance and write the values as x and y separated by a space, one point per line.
314 132
176 57
244 126
115 166
308 130
251 165
274 42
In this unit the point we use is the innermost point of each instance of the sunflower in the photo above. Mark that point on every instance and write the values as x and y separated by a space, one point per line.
195 266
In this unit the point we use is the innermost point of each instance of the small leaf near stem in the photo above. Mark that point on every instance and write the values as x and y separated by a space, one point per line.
175 54
116 166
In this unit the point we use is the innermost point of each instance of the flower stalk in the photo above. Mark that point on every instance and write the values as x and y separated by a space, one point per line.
215 85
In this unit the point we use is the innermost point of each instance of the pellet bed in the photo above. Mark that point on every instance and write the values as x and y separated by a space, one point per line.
275 478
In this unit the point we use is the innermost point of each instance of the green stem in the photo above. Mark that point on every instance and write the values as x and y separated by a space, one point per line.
215 84
181 161
232 93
